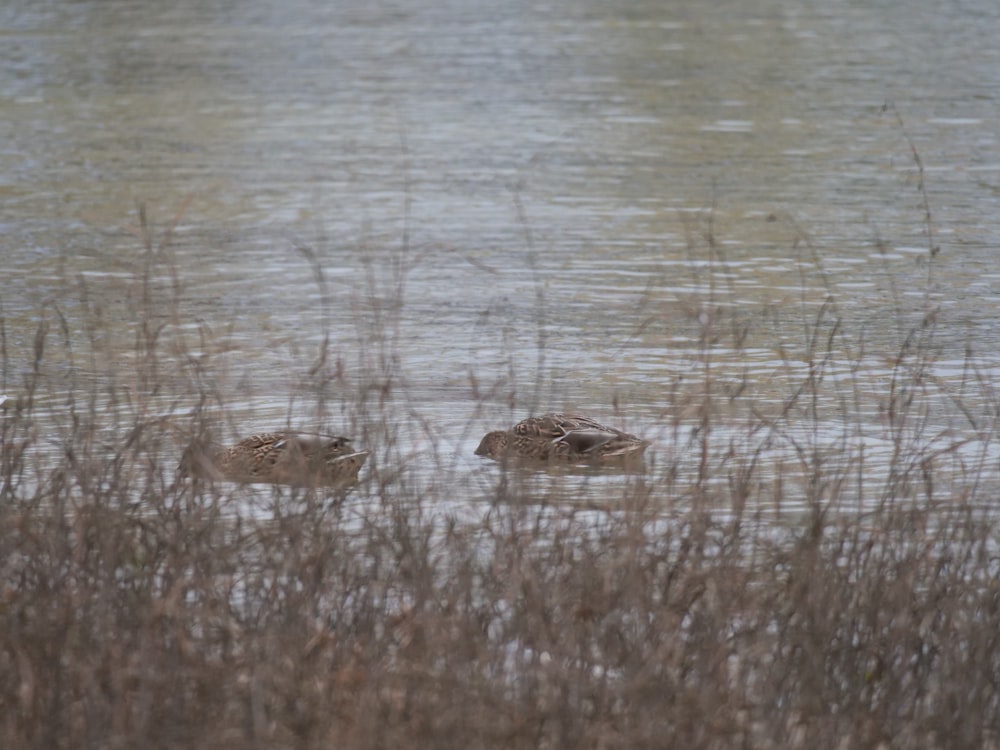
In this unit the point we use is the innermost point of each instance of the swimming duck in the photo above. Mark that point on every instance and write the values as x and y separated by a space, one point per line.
563 438
299 459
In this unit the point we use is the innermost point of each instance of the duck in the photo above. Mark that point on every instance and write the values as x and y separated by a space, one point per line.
562 438
298 459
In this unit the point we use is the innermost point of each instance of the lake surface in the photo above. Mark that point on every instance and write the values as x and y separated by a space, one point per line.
490 210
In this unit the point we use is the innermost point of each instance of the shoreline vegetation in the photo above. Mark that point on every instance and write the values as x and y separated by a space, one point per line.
139 609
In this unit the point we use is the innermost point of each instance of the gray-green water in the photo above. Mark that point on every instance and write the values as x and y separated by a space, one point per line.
534 184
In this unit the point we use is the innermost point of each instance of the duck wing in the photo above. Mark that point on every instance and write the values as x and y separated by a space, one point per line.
555 425
587 440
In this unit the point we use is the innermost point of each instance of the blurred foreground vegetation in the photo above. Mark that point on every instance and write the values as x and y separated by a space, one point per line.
140 610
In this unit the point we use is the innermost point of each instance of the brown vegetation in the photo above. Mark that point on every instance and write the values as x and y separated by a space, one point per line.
138 609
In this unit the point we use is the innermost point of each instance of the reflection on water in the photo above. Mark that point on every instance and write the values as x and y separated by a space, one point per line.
506 210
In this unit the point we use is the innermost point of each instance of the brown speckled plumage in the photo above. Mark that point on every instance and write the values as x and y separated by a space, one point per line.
563 438
299 459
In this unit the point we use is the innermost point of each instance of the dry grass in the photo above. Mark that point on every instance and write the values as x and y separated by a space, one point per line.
140 611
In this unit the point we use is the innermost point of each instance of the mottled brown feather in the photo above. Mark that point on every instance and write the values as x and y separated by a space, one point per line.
299 459
564 438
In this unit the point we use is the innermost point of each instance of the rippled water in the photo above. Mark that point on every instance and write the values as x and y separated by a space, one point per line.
567 205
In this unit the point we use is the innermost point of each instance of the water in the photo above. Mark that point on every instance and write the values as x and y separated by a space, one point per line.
556 206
